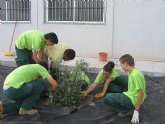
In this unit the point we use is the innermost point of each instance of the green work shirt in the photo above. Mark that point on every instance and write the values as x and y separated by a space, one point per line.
85 78
25 74
31 40
136 81
100 77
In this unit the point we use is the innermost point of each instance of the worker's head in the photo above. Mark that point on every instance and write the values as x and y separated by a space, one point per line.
69 54
51 39
125 61
107 69
44 64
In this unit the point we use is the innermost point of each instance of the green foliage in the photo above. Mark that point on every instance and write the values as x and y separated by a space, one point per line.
69 80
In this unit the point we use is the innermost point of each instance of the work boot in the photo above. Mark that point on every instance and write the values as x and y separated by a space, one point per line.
28 112
1 111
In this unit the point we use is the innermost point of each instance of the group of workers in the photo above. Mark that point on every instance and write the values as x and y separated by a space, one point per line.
24 86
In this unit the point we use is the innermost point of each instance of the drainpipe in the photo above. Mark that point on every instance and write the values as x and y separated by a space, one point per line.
37 13
113 16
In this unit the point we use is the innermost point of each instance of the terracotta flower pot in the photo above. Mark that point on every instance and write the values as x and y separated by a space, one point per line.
103 56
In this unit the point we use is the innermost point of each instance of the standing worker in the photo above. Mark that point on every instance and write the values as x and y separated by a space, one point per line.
134 97
30 46
24 87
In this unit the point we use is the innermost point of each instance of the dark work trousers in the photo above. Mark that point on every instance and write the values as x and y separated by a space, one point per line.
119 85
115 97
26 96
24 56
119 101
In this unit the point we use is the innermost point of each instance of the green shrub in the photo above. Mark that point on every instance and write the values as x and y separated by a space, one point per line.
70 81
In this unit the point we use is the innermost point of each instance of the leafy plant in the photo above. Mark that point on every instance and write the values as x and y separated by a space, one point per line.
70 81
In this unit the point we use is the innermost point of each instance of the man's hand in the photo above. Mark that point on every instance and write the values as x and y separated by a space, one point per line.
99 95
84 93
135 117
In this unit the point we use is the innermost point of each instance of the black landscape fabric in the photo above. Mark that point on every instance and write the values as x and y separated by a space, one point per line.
92 111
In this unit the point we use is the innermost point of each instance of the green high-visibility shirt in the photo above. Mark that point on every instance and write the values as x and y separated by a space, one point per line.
100 77
26 73
31 40
136 81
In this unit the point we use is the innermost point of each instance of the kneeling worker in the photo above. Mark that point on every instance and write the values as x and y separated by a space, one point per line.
24 87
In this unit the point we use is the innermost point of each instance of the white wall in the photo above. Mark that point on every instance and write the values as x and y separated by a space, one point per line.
133 27
139 27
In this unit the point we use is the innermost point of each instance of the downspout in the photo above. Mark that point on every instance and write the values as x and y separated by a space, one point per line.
37 13
113 14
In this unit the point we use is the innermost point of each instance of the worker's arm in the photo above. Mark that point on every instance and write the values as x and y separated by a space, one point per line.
35 57
101 94
40 54
91 87
52 82
140 99
106 85
135 117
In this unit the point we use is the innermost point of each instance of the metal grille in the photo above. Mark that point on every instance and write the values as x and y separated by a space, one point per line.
75 11
15 11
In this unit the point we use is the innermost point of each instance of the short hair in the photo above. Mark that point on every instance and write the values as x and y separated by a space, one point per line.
128 59
70 53
44 64
52 37
109 66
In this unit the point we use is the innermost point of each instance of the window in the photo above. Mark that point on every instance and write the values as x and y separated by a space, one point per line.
74 11
15 10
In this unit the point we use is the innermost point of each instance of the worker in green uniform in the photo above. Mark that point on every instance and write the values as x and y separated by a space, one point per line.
30 46
24 87
134 97
113 82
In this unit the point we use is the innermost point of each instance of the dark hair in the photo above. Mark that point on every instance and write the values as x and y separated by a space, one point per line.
44 64
52 37
70 53
109 66
128 59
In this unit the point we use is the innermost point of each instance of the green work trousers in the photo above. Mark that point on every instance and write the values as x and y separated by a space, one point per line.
119 101
26 96
24 56
119 85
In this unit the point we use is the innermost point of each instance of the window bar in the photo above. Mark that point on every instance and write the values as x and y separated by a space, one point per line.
88 10
75 9
59 9
53 10
25 8
6 5
102 11
95 11
22 11
29 10
83 10
12 10
16 10
62 8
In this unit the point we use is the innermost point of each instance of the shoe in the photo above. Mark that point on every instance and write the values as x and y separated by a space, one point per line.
1 111
28 112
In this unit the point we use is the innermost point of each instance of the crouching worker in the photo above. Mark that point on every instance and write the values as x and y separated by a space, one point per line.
134 97
113 82
24 87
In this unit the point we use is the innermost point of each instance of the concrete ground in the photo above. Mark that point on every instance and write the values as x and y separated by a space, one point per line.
152 68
